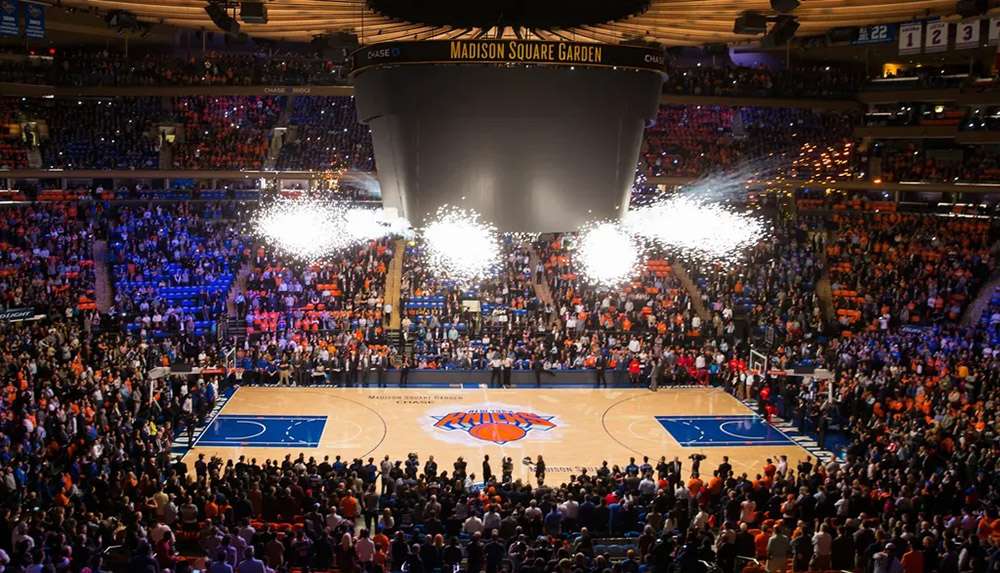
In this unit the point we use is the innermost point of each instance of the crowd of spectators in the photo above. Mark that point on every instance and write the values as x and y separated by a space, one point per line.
758 81
322 133
99 133
772 287
225 132
88 482
173 266
86 438
695 140
914 161
84 435
322 321
327 135
84 67
893 269
13 147
989 320
46 261
446 333
341 293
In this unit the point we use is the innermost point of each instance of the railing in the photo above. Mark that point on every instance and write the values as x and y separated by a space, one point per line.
229 359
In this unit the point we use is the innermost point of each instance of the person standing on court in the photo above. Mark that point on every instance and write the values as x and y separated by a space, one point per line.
378 365
495 364
507 470
487 470
385 467
459 468
539 367
507 366
336 369
540 470
600 366
404 372
364 365
654 376
352 369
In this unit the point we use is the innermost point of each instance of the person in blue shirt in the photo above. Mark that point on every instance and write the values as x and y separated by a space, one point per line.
219 565
251 564
632 469
553 522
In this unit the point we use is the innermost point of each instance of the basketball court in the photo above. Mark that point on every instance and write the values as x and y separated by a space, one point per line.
572 428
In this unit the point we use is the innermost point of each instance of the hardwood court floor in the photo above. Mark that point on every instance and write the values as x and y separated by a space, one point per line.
572 428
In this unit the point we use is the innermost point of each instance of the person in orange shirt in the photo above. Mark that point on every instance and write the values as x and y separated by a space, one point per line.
349 507
694 485
211 509
760 542
715 485
913 559
770 470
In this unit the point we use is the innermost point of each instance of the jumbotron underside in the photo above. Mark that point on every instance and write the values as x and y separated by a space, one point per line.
535 136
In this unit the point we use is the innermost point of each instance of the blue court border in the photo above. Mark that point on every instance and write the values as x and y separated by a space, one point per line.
203 441
784 441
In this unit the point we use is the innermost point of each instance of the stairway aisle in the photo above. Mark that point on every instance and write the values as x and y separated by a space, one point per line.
823 289
694 293
542 290
239 285
394 283
103 289
279 135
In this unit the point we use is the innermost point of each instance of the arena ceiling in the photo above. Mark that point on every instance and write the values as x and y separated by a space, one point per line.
670 22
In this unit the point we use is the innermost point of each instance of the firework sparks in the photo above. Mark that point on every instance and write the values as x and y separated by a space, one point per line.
459 246
607 255
696 227
311 229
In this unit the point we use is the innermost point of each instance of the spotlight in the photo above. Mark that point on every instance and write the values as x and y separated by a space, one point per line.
336 45
217 12
781 32
752 23
784 6
967 8
121 19
253 12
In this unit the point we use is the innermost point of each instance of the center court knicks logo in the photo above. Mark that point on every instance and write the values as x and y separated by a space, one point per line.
499 424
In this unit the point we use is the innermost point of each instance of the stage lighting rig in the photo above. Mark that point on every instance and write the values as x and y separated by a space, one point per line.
783 26
218 12
253 11
970 8
784 6
781 32
750 22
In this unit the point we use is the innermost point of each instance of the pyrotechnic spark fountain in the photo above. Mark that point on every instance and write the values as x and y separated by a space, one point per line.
607 255
310 229
695 227
459 246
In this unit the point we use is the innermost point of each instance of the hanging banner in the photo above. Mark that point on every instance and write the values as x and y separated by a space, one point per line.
967 33
910 38
875 34
936 38
8 18
994 30
34 20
